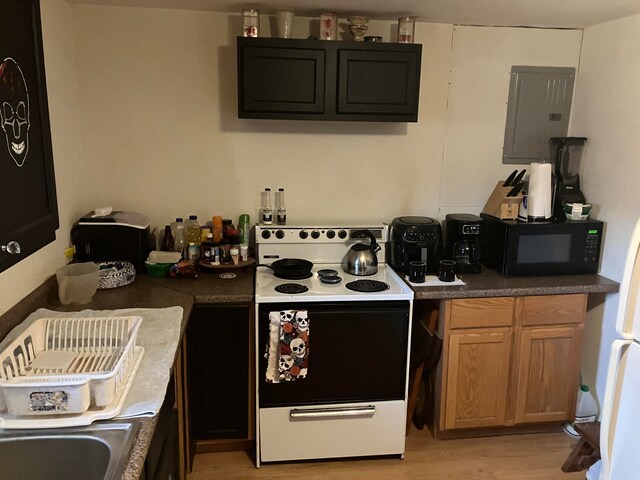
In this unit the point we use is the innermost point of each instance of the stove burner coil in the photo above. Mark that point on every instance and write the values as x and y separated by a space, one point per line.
291 288
368 286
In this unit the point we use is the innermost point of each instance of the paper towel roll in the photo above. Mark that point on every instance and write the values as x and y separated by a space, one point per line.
539 194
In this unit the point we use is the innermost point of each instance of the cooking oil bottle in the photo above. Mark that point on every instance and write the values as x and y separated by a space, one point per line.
192 227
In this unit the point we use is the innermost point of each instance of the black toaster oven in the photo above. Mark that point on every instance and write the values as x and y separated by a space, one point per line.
115 236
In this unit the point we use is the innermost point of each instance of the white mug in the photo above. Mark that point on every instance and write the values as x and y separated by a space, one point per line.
285 24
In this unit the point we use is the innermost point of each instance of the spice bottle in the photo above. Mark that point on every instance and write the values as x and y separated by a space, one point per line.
281 209
244 225
266 212
168 243
206 249
216 229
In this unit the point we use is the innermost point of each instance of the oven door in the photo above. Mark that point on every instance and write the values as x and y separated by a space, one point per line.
357 352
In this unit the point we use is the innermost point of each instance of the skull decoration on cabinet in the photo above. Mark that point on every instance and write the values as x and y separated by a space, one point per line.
14 110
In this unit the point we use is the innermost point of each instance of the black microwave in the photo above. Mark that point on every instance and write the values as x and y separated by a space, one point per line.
529 248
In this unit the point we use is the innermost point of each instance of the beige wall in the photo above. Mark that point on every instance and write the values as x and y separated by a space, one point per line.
607 111
158 95
70 167
143 107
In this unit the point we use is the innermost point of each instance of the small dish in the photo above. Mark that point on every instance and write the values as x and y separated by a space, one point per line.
115 274
327 272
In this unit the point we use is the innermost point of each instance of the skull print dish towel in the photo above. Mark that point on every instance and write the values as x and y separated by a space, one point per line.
288 348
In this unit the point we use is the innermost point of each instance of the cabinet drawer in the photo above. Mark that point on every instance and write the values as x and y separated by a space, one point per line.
482 312
554 309
326 434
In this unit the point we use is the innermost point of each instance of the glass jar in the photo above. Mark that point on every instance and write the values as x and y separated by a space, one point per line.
406 29
250 22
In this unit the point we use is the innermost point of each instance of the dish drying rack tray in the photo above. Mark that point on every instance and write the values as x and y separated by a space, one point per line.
64 366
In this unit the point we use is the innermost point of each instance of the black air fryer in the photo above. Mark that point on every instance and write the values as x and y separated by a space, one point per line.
414 238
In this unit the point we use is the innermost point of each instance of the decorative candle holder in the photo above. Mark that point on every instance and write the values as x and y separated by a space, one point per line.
358 27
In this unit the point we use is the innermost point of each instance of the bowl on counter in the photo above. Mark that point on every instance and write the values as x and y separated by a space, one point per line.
115 274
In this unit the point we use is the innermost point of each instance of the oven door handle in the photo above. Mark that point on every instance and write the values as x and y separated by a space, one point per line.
365 411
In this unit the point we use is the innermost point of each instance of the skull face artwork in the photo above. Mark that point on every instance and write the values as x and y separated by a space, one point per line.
14 110
285 363
302 321
298 347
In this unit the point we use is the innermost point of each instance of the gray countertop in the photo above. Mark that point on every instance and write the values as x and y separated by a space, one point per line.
489 283
144 292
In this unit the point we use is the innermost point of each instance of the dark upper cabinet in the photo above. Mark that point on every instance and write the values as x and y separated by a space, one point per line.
328 80
28 207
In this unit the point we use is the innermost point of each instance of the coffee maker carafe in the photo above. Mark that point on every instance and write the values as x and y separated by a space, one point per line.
462 241
566 153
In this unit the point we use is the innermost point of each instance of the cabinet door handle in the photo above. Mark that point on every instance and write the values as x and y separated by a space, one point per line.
12 248
366 411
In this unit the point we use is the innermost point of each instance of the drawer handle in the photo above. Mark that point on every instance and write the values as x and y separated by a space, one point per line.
367 411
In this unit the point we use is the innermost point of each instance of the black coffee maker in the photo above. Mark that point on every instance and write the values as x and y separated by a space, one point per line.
462 241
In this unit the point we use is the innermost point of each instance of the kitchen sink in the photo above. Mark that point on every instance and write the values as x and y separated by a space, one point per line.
95 452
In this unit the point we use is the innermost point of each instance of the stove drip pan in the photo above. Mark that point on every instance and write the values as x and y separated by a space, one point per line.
291 288
367 286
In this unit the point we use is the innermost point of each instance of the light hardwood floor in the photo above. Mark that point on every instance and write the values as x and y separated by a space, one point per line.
509 457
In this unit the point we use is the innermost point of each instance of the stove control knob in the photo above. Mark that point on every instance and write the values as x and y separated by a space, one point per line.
266 234
342 234
280 234
315 234
331 234
304 234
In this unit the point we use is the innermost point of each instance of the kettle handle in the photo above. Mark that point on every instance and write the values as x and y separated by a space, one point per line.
366 233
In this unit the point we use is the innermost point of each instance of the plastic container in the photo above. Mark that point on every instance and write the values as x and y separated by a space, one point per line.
77 282
157 269
192 236
281 209
586 411
60 366
177 228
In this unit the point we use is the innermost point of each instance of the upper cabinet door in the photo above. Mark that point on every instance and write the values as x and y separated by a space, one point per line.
281 81
379 82
323 80
28 208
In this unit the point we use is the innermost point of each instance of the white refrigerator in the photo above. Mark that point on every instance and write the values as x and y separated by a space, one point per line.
620 427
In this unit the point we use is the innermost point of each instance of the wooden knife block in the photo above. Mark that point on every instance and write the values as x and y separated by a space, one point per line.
501 206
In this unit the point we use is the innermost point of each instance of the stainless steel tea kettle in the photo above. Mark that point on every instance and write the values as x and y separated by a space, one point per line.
361 259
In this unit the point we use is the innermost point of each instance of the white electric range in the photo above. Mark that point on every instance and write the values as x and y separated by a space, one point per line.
324 246
352 401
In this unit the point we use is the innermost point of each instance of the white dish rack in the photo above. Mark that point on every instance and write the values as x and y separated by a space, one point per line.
65 366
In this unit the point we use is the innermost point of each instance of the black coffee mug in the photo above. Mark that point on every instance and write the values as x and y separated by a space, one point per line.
417 271
447 272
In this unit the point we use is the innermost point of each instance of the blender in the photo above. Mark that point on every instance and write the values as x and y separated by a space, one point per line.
566 153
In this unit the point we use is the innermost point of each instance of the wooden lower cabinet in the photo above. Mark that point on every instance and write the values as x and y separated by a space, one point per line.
547 374
478 378
508 361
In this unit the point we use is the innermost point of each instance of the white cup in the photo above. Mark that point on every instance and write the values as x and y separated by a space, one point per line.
285 24
77 282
